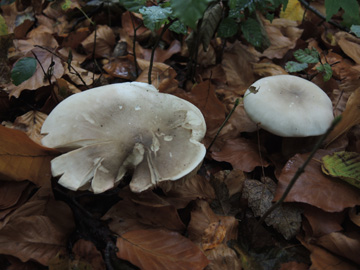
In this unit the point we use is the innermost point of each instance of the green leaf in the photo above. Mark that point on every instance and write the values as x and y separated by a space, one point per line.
345 165
327 71
3 26
133 5
178 27
307 56
227 28
189 11
209 24
251 30
292 66
23 70
351 8
154 17
355 29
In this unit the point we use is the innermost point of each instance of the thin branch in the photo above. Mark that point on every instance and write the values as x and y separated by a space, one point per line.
237 101
59 56
297 174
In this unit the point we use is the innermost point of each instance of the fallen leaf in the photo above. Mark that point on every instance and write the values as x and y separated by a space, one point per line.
294 266
354 216
22 159
286 219
121 67
241 154
159 249
87 252
349 44
105 42
223 258
350 117
344 245
38 230
294 11
324 192
344 165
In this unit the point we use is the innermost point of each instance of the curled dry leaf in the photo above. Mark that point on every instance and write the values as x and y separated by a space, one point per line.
286 219
241 153
161 250
326 192
223 258
105 42
31 123
265 69
350 117
23 159
37 230
283 35
349 44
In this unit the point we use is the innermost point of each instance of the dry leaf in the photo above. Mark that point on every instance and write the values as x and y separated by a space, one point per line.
294 266
349 44
350 117
121 67
38 230
223 258
105 42
286 219
159 249
241 153
23 159
87 252
325 193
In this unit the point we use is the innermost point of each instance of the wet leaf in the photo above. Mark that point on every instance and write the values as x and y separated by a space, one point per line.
345 165
155 16
159 249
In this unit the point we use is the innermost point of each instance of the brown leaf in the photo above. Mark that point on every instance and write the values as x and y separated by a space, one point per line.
179 193
223 258
294 266
346 246
283 35
13 195
350 117
315 188
134 212
236 63
354 216
203 225
241 154
349 44
23 159
87 252
122 67
322 222
159 249
38 230
105 42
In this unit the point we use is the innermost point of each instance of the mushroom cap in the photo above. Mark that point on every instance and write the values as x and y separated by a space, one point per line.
108 130
289 106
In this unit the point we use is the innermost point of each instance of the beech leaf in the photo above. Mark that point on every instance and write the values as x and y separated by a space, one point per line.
345 165
159 249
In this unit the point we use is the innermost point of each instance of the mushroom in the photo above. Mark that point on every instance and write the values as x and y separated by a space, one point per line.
289 106
107 131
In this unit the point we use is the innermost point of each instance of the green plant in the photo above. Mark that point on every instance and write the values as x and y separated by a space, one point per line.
306 57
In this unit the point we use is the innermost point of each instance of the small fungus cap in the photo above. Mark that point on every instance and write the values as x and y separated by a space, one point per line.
289 106
109 130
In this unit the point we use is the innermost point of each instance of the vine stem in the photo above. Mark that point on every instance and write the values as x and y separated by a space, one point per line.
299 171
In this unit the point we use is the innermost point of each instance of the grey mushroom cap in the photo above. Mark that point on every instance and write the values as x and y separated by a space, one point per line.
106 131
289 106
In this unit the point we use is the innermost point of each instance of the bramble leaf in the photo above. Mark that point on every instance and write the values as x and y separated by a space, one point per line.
133 5
155 16
307 56
293 66
327 71
227 28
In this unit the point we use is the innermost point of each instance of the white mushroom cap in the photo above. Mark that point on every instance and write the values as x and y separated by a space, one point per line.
289 106
111 129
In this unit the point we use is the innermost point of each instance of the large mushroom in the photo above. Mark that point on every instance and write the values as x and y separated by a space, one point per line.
109 130
289 106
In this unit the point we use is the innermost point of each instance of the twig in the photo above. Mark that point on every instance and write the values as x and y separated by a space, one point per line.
297 174
59 56
166 26
317 13
237 101
134 43
46 75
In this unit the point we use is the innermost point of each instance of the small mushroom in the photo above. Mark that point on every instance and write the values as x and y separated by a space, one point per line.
110 130
288 106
